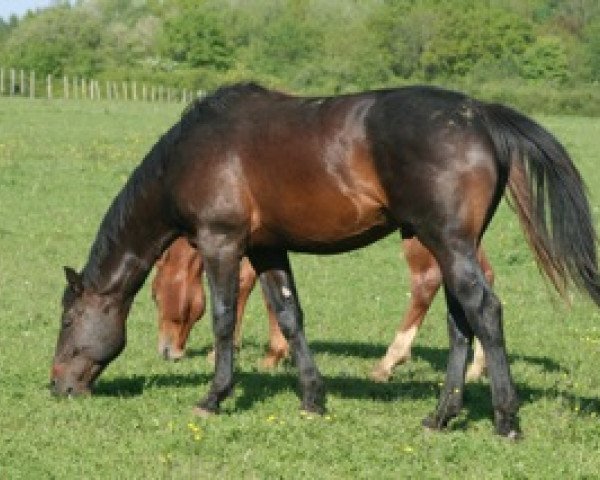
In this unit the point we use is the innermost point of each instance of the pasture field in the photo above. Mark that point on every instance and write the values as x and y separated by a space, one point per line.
61 164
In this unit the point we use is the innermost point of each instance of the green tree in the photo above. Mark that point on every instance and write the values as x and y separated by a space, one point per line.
195 36
465 37
592 50
57 40
545 59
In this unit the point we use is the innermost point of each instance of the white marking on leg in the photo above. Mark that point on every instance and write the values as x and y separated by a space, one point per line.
286 292
398 351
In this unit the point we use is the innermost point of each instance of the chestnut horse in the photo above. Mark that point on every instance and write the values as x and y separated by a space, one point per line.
179 295
253 172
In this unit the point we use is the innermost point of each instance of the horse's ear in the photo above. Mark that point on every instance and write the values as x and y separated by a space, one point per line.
74 280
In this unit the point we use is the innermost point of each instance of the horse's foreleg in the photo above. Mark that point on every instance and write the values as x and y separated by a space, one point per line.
278 284
222 271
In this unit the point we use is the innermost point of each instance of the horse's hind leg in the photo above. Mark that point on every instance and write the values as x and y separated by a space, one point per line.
278 284
473 308
478 366
425 280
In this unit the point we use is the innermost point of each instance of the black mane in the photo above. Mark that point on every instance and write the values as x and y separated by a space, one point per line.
149 173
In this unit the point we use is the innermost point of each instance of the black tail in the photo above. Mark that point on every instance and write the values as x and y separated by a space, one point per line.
549 197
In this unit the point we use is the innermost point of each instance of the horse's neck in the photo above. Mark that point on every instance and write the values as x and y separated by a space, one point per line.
132 236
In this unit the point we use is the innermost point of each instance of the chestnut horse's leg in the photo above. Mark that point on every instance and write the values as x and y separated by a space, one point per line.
247 282
425 280
278 284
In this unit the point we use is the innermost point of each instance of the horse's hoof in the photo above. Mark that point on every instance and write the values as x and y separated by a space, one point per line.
432 423
511 433
514 435
380 374
474 374
270 362
312 409
507 425
436 423
203 412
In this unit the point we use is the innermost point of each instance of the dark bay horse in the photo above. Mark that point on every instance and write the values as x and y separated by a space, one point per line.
248 171
178 292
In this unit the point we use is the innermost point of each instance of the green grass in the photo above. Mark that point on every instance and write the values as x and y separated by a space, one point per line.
60 166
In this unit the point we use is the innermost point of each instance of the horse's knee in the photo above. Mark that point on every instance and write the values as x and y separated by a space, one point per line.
425 285
287 323
223 320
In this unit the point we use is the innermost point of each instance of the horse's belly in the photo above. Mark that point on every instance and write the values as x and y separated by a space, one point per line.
336 225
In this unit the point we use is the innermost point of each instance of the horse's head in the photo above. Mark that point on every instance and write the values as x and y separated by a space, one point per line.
179 296
92 333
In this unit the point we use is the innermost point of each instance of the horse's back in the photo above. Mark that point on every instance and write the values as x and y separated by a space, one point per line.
321 174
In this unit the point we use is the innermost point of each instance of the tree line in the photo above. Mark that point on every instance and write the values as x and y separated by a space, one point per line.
310 45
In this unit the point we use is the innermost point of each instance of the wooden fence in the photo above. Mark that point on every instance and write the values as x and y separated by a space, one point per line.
20 83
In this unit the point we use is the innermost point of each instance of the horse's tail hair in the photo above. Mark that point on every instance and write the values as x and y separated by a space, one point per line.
549 197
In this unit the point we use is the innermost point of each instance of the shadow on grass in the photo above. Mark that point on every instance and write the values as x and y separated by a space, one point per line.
259 386
436 357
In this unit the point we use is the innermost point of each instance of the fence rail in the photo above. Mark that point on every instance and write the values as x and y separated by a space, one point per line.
19 83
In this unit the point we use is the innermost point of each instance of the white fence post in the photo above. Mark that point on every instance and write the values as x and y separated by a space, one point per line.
17 82
32 84
49 85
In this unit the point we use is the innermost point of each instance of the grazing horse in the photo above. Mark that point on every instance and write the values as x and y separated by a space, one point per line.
253 172
179 295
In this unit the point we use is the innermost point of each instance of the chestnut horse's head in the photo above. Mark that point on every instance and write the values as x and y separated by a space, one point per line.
92 333
179 296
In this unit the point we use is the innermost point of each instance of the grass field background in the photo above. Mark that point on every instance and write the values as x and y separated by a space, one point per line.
60 166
